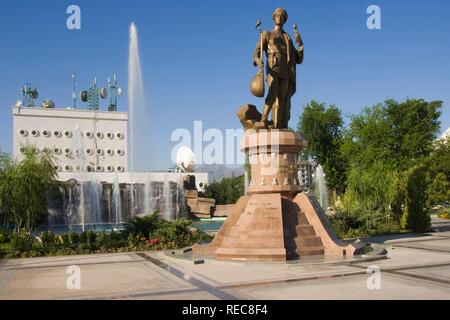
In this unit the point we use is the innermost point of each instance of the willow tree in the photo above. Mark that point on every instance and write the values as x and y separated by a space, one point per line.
24 187
382 144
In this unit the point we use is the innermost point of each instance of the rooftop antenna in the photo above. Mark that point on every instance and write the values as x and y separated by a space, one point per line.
74 92
93 95
29 94
115 92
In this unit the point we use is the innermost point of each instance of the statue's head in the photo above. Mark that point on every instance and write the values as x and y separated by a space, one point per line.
280 16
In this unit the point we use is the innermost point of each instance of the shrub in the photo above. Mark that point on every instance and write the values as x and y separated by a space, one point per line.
74 238
5 236
64 238
359 223
176 234
22 242
444 214
142 226
48 238
101 239
83 237
91 237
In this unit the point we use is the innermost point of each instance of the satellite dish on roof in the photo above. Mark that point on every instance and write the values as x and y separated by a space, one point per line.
84 96
185 159
103 93
48 104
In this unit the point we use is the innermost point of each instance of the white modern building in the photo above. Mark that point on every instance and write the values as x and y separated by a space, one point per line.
305 173
86 144
81 140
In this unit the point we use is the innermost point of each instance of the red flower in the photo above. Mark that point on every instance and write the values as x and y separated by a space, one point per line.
154 241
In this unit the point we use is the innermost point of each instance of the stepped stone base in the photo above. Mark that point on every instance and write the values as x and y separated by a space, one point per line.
275 221
271 227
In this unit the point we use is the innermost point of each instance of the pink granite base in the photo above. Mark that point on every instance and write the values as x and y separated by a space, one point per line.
275 221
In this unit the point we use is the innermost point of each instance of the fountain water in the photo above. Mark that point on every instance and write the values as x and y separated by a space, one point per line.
167 195
137 113
320 187
141 193
89 189
117 200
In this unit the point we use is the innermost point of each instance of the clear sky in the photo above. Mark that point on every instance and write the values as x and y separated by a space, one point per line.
197 57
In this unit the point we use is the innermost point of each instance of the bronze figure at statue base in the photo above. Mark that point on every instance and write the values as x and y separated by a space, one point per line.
275 220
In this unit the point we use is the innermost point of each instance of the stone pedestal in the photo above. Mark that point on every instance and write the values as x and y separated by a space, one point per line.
275 220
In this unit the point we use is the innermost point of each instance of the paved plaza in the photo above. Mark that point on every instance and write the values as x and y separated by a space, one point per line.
417 267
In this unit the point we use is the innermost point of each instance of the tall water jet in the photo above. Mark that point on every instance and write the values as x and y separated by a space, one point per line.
136 98
320 187
137 110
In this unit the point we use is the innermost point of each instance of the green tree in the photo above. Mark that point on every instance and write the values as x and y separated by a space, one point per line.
371 189
416 216
381 144
413 126
438 164
23 188
322 127
227 191
400 135
439 190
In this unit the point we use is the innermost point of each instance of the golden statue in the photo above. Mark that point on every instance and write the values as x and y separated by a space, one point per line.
282 60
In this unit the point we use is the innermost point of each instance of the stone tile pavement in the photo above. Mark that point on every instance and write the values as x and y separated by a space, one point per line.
417 267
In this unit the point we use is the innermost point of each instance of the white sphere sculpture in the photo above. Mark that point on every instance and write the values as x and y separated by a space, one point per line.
185 159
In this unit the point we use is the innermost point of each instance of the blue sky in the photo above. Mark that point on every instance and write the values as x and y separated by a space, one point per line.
196 57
